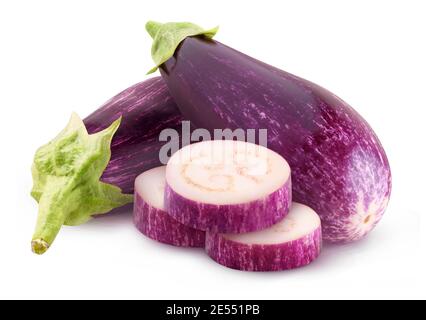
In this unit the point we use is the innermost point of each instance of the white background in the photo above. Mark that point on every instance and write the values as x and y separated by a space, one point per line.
62 56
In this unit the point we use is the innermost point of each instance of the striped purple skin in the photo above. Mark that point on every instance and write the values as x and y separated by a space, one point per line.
339 167
158 225
147 109
233 218
268 257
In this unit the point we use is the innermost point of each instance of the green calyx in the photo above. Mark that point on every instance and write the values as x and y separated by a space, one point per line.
66 176
168 36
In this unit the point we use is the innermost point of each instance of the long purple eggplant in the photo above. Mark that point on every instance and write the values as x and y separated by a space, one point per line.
91 166
339 167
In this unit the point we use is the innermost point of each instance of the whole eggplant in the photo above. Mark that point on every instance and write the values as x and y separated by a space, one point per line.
339 167
91 166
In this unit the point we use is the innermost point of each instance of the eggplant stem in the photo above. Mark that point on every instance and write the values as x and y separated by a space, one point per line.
39 246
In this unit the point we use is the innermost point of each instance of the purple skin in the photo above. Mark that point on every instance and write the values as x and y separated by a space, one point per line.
235 218
158 225
268 257
147 109
339 167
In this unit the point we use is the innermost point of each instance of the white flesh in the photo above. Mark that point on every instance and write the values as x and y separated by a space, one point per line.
226 172
150 186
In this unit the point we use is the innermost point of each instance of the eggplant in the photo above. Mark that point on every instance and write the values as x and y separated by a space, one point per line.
339 167
91 166
150 217
227 186
146 109
292 243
